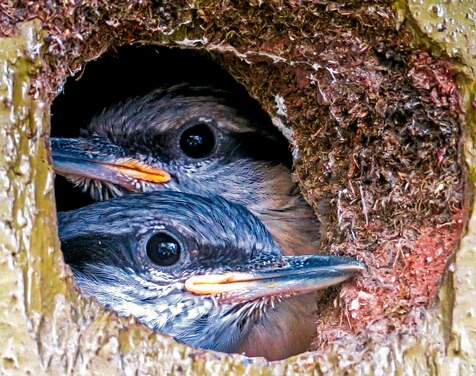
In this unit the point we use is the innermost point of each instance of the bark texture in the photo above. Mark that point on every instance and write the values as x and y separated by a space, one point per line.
46 327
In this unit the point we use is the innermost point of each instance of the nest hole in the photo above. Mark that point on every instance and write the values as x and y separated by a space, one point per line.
355 166
132 72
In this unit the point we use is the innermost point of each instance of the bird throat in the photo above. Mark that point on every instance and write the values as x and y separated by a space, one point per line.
293 328
97 190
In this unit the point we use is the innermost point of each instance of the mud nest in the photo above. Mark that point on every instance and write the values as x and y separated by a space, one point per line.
377 125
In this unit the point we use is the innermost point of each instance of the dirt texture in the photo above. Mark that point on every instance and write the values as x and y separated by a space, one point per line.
376 123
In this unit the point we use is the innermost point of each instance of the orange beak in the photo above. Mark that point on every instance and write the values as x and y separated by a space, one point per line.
100 160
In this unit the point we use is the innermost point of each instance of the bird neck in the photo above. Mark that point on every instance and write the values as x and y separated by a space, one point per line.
294 228
269 192
283 331
279 204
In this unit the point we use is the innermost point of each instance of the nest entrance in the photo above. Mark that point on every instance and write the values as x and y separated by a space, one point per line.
380 161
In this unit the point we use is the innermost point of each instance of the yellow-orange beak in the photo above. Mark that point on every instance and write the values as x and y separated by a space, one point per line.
139 170
100 160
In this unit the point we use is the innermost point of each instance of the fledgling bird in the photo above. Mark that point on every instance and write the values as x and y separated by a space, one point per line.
203 270
194 139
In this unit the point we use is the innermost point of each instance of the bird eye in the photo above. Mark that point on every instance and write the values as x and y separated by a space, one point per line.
197 141
163 249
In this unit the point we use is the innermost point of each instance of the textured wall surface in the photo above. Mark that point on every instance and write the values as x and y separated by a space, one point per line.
47 328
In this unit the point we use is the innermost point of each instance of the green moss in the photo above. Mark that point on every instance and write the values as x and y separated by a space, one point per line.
46 327
451 25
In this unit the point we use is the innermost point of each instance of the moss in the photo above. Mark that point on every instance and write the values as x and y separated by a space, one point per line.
377 118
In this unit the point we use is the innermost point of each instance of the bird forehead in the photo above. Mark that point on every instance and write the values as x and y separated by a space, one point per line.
209 228
147 113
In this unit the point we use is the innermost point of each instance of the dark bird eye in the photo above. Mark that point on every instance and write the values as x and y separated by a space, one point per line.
163 249
197 141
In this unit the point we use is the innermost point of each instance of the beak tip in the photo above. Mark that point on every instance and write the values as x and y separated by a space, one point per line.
354 267
360 266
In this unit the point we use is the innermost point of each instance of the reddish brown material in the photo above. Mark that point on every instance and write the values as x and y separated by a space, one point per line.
383 297
378 125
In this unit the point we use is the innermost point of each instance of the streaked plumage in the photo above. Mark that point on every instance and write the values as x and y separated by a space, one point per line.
158 256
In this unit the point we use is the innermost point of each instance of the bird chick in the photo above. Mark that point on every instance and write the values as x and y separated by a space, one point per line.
203 270
193 139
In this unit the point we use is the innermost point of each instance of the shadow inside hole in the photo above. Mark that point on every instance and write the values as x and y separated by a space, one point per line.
130 71
135 71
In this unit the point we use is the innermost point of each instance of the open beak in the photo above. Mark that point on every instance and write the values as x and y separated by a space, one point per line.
299 275
98 159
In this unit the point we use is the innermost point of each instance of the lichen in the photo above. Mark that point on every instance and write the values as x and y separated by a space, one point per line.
378 123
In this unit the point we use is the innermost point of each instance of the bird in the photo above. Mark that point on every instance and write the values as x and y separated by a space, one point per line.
200 269
198 139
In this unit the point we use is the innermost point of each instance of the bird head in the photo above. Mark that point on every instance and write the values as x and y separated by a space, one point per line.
202 270
187 138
